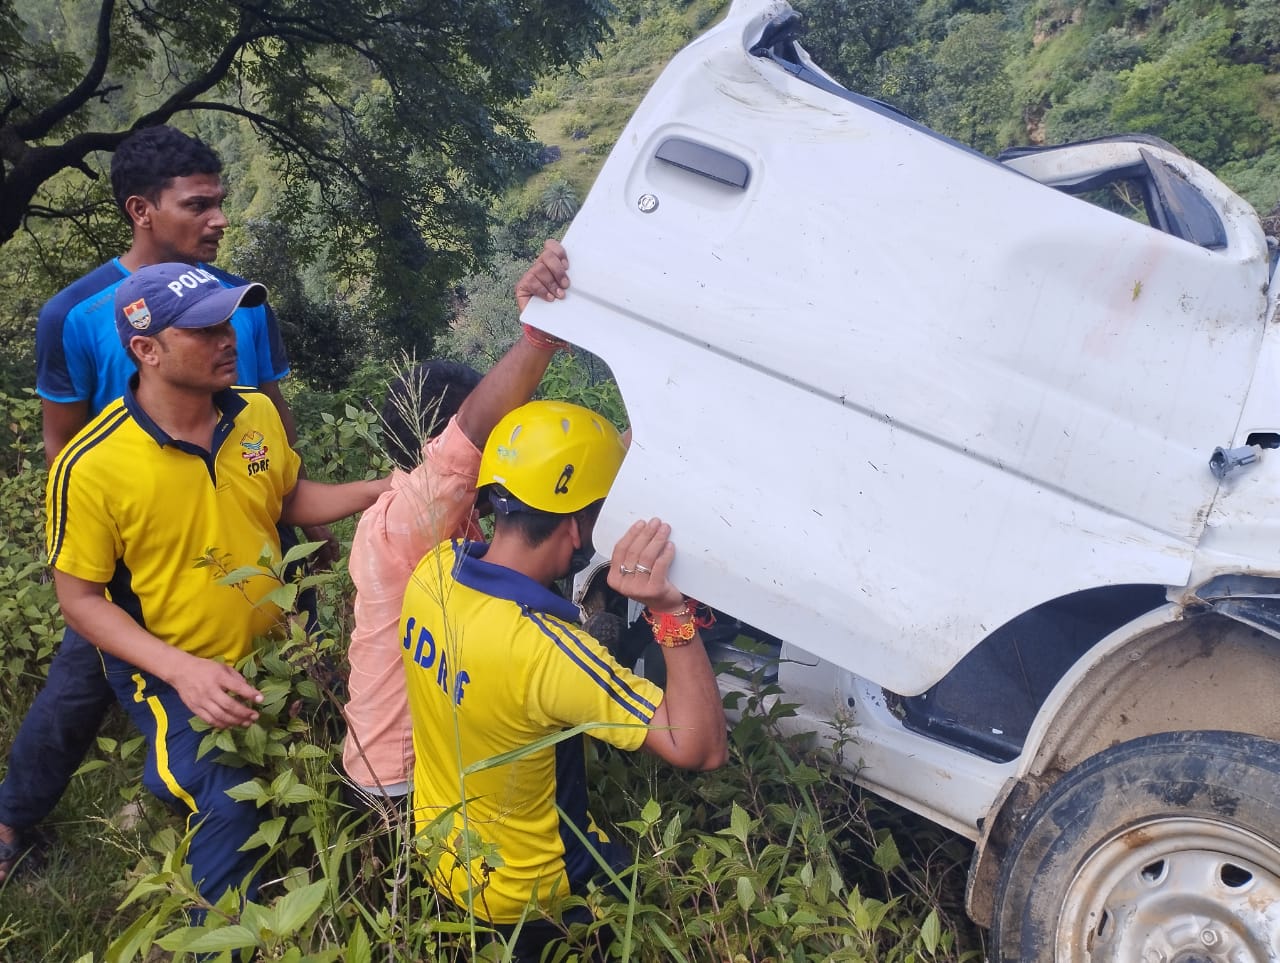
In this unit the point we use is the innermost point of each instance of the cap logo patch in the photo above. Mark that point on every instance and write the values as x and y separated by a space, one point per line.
138 314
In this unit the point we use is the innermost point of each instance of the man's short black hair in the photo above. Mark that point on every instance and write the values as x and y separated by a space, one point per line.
419 405
536 527
148 160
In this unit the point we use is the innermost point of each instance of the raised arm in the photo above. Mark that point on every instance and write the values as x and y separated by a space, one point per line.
688 729
512 381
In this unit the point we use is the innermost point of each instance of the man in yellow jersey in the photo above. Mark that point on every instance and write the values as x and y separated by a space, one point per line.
182 464
495 659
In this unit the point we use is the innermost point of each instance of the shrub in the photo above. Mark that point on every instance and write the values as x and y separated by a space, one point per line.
559 201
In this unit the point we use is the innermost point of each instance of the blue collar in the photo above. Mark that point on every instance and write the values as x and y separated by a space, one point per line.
470 569
228 402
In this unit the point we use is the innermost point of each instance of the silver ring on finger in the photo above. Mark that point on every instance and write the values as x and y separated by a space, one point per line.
643 569
622 569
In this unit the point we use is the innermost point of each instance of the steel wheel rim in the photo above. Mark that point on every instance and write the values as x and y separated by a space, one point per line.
1180 890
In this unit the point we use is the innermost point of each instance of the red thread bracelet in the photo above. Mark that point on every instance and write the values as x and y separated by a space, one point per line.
674 629
543 341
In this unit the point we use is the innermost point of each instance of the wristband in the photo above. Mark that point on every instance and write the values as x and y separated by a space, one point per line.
543 341
674 629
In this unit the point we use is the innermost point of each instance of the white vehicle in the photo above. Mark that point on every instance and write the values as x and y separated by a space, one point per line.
992 461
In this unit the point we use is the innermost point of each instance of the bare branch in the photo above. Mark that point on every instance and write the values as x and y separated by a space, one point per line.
182 97
43 122
280 133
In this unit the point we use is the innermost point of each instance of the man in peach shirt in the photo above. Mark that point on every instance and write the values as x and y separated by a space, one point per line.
426 505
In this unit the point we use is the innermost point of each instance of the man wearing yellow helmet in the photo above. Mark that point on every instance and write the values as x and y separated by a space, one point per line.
495 660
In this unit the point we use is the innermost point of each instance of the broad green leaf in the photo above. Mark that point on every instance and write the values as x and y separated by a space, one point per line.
297 794
282 596
931 931
671 835
255 917
268 834
241 574
359 949
283 782
135 940
253 743
209 941
250 791
739 823
292 910
886 855
651 812
301 551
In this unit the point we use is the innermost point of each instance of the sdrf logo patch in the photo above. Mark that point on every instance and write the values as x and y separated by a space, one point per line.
138 314
255 452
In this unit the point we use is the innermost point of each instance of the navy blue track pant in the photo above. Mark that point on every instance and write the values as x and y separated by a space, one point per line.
55 734
194 787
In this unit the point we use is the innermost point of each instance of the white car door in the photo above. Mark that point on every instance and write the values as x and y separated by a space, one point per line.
889 393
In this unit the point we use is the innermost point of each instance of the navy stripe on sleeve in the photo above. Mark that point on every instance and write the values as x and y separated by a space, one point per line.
598 670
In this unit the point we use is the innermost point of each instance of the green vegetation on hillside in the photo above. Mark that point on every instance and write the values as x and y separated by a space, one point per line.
1202 74
373 170
774 857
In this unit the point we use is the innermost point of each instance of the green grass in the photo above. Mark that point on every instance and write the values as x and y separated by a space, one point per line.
598 100
65 904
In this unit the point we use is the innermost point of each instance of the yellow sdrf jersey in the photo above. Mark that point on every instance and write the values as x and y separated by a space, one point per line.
134 509
493 662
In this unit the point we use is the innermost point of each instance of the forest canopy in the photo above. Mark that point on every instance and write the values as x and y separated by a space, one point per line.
387 129
389 163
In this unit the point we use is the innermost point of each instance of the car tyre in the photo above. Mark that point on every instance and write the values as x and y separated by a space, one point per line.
1165 849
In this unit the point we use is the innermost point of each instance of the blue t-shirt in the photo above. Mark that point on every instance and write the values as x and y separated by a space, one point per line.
79 356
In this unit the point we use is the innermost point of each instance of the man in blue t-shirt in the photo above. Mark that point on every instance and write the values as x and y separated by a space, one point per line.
169 188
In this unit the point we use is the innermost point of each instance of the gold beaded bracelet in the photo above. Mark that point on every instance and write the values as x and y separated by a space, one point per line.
674 629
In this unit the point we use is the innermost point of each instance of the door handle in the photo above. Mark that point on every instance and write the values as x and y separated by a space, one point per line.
709 162
1226 460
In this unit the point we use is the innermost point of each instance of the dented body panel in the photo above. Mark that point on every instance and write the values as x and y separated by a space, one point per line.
913 413
888 413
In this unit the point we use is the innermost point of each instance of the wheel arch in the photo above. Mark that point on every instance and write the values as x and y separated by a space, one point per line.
1168 672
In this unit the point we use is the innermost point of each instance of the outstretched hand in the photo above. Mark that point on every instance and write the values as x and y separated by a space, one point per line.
640 563
215 692
547 279
323 558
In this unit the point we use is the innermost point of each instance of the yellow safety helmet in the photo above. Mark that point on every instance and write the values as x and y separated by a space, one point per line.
552 457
